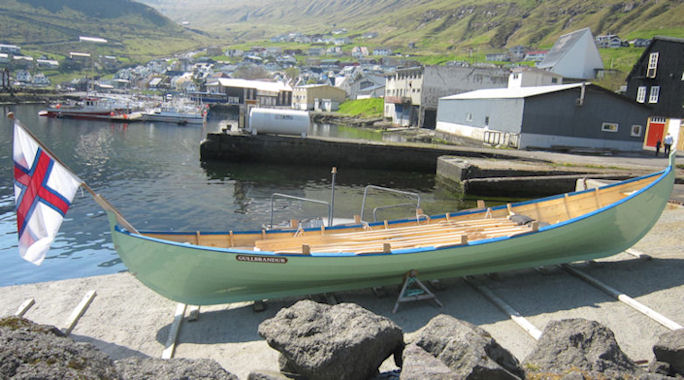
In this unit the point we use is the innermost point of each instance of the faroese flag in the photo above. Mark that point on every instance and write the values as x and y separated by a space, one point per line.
43 190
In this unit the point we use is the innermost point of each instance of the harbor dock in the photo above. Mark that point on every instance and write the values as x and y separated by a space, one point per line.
126 319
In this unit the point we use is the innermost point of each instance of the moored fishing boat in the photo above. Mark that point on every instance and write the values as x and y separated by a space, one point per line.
221 267
178 112
91 108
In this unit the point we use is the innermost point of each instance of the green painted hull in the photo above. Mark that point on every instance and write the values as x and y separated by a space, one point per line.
204 275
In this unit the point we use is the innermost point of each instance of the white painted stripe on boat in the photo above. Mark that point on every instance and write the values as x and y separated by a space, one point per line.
529 328
24 307
173 332
79 311
670 324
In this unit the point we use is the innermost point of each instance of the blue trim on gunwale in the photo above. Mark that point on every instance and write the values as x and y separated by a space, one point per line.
662 174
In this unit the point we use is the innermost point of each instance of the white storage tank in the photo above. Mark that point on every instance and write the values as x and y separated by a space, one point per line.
278 121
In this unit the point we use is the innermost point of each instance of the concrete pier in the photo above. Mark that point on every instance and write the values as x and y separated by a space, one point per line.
127 319
327 152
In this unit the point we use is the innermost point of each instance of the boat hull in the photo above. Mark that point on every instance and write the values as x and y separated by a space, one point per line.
205 275
175 119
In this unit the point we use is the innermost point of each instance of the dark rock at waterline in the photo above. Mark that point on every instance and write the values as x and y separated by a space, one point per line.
468 350
143 368
319 341
582 346
32 351
669 349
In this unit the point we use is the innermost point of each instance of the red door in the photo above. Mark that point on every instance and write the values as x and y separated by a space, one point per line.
655 133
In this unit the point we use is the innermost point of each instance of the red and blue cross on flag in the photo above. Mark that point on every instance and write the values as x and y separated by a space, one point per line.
43 190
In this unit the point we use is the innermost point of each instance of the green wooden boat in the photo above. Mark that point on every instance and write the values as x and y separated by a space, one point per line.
203 268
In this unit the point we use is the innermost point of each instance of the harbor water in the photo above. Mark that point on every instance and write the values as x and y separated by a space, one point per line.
151 172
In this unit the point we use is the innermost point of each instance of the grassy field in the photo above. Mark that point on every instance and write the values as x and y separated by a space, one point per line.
369 108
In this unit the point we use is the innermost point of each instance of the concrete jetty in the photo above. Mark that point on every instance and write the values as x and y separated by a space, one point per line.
477 170
127 319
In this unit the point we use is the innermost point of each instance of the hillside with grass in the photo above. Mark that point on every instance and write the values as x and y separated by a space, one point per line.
436 27
134 32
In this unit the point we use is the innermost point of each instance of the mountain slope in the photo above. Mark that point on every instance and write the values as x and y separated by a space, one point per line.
132 29
435 25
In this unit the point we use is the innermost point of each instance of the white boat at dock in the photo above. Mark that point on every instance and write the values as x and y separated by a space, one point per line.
95 107
178 113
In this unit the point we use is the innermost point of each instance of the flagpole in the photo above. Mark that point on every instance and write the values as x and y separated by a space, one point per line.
102 202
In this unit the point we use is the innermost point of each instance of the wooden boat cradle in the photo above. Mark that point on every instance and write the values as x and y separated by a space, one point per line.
450 229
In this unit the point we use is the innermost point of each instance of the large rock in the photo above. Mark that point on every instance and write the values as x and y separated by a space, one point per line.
420 364
320 341
33 351
467 349
579 345
670 349
143 368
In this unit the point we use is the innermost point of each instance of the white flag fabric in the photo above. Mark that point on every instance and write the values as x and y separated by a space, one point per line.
43 191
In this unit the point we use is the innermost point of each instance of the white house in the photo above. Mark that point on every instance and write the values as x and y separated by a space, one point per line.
529 76
574 55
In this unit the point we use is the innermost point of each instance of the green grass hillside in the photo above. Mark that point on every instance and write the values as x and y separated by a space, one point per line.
135 32
446 27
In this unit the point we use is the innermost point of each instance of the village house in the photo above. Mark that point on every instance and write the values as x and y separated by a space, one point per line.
535 55
382 52
22 61
529 77
497 57
23 76
358 82
412 94
657 80
260 93
574 55
305 97
609 41
47 63
558 116
10 49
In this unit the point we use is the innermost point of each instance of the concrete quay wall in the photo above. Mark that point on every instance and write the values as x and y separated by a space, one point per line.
516 178
314 151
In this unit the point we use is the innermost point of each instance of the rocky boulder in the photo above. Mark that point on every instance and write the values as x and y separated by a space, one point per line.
343 341
669 353
579 346
143 368
33 351
420 364
468 350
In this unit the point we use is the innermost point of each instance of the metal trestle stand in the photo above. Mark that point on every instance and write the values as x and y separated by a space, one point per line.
414 290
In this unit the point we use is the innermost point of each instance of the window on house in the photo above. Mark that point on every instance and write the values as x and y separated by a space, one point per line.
636 130
486 120
653 96
641 94
652 65
609 127
469 116
554 80
515 76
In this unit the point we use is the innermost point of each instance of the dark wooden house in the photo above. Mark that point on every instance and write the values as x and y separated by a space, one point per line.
657 80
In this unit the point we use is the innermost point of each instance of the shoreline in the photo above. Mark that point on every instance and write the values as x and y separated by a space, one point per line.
126 319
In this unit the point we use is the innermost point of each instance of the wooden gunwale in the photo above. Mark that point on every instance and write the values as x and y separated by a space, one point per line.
440 230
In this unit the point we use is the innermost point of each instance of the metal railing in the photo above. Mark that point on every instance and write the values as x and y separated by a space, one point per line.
408 193
279 195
